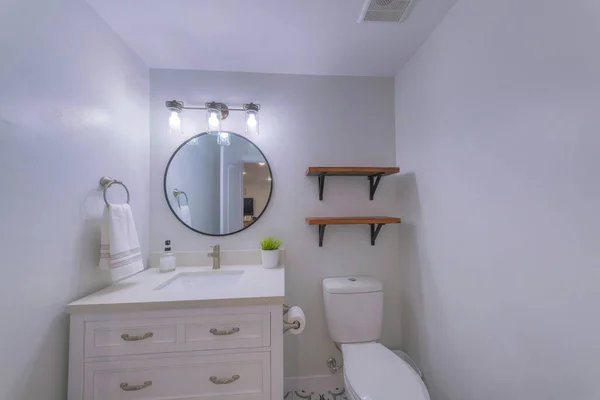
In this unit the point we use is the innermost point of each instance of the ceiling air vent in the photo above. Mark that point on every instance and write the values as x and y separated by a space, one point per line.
384 10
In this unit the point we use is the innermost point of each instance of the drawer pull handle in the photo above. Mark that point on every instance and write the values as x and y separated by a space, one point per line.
224 332
218 381
125 386
129 338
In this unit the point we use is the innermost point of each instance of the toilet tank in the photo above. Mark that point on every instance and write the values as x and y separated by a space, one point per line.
353 308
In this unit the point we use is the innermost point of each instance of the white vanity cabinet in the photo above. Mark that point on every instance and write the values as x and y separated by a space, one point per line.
222 353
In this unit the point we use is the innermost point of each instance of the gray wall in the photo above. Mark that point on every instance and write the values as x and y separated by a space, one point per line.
196 171
305 121
73 107
498 132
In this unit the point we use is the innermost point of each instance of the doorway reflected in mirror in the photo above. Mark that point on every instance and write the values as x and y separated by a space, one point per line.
257 189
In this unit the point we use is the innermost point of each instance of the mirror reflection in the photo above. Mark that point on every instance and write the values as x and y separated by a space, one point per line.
218 184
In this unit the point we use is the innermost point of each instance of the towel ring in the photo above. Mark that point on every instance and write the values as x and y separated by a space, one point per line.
177 193
106 182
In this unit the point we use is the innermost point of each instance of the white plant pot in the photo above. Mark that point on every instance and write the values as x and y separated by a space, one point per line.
270 258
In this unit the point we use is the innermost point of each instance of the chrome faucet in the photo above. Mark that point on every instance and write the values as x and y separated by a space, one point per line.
216 256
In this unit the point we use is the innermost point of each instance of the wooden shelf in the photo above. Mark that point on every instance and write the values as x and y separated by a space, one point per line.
375 222
374 174
351 171
351 220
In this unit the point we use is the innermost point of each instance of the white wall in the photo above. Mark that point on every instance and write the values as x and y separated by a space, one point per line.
498 127
305 120
73 107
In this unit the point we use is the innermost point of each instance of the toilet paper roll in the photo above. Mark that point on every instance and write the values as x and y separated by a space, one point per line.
296 315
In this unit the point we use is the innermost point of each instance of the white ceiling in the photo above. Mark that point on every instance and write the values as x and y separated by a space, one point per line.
275 36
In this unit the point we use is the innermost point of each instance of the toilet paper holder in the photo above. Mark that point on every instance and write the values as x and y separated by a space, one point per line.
287 325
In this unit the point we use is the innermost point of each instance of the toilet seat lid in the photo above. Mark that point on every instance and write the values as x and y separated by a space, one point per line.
375 373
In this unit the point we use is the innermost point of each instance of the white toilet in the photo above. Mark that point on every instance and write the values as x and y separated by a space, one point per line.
354 311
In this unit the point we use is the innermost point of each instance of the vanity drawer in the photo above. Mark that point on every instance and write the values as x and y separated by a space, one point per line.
228 331
162 335
116 337
221 377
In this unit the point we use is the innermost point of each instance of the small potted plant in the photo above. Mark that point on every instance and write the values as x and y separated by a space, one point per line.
270 252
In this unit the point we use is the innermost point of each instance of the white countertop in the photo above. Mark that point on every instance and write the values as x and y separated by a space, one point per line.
256 286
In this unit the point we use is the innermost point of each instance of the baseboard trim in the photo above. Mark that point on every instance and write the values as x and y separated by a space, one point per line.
316 384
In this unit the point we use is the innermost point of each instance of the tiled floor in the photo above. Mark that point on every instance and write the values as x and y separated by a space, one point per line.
337 394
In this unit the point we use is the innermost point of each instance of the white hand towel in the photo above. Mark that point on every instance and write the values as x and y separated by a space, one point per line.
184 215
120 251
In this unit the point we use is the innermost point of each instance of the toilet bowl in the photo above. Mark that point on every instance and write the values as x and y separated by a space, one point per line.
373 372
354 312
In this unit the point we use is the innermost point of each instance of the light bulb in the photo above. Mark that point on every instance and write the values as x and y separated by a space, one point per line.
213 119
262 164
174 123
251 122
223 139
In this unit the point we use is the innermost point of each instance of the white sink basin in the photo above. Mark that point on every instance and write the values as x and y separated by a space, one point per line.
202 280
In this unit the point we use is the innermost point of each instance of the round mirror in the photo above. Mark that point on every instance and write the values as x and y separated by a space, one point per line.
218 184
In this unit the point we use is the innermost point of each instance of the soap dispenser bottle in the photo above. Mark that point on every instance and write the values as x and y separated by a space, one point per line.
167 260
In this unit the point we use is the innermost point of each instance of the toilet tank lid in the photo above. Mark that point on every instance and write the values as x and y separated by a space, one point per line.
352 284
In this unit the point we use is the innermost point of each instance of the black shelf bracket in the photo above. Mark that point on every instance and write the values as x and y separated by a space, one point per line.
321 186
375 229
321 234
375 232
373 177
373 183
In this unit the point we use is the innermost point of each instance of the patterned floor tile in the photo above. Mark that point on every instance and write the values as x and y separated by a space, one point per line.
338 394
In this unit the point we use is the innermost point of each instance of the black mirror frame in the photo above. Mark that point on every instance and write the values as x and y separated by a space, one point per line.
212 234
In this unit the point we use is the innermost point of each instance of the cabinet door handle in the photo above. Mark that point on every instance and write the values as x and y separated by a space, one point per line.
129 338
125 386
224 332
218 381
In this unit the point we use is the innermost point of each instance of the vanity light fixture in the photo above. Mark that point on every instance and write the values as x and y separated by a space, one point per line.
215 113
174 121
252 118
